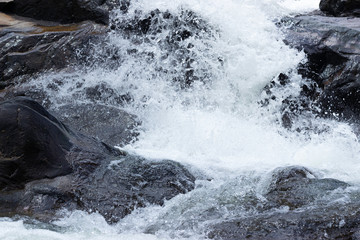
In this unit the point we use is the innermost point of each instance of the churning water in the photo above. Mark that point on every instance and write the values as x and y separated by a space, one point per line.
193 71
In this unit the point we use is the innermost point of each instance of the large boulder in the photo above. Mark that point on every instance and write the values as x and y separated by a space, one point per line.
33 144
340 7
332 45
64 11
45 166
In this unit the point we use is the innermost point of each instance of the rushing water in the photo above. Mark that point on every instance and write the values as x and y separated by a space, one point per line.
198 101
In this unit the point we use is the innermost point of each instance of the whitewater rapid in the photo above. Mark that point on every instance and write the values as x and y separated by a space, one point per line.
216 127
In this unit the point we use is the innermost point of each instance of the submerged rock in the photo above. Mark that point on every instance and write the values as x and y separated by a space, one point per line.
45 166
341 7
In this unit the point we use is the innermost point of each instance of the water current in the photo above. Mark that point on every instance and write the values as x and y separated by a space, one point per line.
195 74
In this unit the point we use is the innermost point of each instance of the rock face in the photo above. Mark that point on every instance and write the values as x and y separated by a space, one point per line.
333 49
45 166
28 47
33 144
107 123
64 11
341 7
117 187
310 214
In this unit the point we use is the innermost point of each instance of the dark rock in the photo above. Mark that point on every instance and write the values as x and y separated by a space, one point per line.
297 186
28 47
326 222
45 166
311 212
64 11
332 46
33 144
117 188
109 124
341 7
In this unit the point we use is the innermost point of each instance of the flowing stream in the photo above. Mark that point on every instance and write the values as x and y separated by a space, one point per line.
195 72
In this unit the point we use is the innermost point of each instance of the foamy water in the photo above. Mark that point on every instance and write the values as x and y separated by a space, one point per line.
216 127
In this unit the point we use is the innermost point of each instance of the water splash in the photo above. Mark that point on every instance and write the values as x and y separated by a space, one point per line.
194 73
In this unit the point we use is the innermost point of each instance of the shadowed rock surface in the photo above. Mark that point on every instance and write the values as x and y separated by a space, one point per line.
333 49
64 11
45 166
341 7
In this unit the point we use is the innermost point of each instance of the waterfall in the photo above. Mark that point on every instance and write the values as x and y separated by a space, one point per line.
194 73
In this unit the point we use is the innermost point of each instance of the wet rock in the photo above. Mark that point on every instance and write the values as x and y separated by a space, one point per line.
28 47
118 187
340 7
295 187
63 11
45 166
108 124
33 144
326 222
299 206
332 46
172 33
296 110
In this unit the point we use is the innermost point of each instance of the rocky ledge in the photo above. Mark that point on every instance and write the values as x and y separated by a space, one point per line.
332 46
45 166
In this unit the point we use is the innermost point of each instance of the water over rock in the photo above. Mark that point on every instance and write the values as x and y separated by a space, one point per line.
298 207
174 35
295 187
340 7
336 221
45 166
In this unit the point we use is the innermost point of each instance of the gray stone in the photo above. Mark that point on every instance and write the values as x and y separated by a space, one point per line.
310 212
332 45
45 166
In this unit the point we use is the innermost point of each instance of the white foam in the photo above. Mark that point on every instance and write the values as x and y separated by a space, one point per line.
216 127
